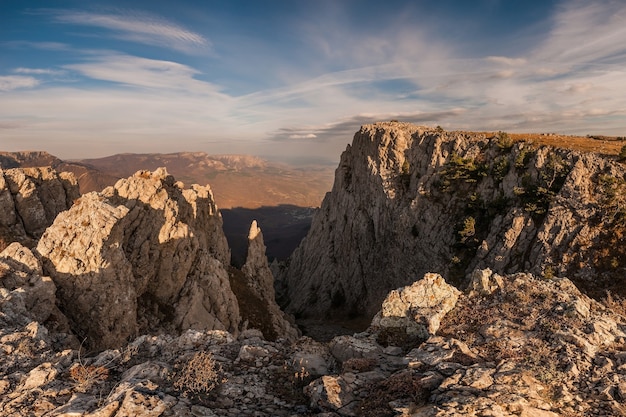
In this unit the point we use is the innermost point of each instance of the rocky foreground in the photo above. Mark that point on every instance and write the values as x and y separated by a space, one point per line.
511 345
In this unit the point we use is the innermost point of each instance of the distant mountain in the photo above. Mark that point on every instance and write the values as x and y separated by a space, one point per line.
89 179
236 180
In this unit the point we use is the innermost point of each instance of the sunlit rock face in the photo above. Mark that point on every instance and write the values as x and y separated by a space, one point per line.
143 255
409 199
30 199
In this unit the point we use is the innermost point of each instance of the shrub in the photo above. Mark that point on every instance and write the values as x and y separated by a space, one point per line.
85 376
402 385
359 364
468 230
500 168
622 153
504 140
199 375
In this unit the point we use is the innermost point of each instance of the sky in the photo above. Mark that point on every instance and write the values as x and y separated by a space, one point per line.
294 80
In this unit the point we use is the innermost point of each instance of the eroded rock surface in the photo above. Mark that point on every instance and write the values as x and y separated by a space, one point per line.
30 199
530 347
260 282
409 199
141 256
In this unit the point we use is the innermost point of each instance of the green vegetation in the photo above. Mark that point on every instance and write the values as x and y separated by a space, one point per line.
468 229
535 194
501 167
622 154
504 141
462 169
523 157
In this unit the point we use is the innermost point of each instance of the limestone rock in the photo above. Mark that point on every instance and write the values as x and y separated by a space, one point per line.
331 393
484 281
419 307
260 281
141 256
409 199
25 294
547 358
30 199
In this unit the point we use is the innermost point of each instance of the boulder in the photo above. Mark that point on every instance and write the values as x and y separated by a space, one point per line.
25 294
419 307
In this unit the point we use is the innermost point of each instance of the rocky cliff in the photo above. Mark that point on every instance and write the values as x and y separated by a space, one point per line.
30 199
409 200
146 256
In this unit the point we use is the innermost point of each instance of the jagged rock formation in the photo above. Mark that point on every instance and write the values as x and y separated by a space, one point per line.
30 199
141 256
512 345
260 282
409 200
148 255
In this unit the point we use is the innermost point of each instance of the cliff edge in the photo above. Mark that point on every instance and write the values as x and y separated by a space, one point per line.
409 199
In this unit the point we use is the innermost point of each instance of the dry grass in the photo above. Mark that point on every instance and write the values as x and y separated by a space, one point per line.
199 375
402 385
86 376
359 364
606 145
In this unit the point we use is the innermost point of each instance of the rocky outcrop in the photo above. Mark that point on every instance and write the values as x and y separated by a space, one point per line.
519 345
260 282
142 256
30 199
409 200
417 309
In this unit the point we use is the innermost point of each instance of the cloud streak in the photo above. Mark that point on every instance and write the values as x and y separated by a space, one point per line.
138 27
145 73
14 82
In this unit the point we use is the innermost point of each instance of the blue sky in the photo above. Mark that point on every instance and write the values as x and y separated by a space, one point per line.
295 79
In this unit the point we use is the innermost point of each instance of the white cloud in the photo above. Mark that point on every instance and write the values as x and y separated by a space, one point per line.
37 71
506 60
571 81
139 27
303 136
13 82
143 72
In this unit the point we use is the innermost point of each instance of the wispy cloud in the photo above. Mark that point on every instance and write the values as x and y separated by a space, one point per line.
143 72
37 71
13 82
47 46
138 27
570 80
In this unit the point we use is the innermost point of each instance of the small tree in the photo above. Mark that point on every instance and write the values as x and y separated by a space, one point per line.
504 140
622 154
